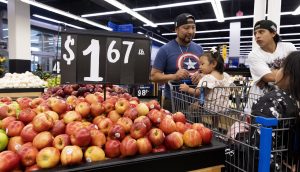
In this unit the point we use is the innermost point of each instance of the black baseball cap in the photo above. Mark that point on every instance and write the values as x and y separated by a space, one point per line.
269 25
182 19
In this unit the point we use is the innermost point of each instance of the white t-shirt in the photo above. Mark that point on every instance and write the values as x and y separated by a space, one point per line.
217 98
261 62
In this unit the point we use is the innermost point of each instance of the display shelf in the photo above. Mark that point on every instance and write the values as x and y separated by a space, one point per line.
15 93
180 160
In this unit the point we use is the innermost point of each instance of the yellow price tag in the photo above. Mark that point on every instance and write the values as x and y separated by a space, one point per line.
224 52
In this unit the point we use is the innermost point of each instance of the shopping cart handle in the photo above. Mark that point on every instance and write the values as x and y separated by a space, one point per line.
267 122
187 81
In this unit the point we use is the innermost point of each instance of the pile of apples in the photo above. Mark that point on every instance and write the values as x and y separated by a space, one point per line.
52 132
66 90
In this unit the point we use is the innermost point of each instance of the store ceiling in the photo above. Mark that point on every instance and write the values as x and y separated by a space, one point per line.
200 11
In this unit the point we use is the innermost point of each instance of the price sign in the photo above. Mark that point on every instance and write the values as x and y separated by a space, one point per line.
93 57
145 90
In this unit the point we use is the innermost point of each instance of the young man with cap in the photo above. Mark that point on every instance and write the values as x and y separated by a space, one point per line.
265 60
178 59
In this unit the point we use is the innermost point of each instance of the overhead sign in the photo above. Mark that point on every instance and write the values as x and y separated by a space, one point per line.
105 57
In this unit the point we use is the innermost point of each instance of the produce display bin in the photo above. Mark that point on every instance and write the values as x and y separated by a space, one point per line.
15 93
179 160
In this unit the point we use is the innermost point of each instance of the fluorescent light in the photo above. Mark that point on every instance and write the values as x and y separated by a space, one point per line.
3 1
216 4
5 29
289 34
297 11
180 4
292 25
58 11
214 38
291 40
131 12
154 39
220 43
57 21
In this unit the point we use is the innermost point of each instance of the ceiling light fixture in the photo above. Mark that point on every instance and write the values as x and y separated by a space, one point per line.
217 7
180 4
154 39
131 12
58 11
57 21
5 29
297 11
3 1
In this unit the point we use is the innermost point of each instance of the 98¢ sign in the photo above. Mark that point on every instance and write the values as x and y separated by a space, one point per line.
93 57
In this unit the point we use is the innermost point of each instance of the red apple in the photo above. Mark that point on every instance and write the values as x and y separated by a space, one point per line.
73 127
108 105
144 145
126 123
192 138
155 116
48 157
97 120
94 153
131 113
8 160
181 127
116 132
167 125
61 141
135 99
156 136
72 116
41 108
59 106
59 127
197 126
179 117
15 143
142 109
36 102
105 125
71 155
42 140
83 108
28 155
112 148
81 137
97 109
24 102
5 99
114 116
206 135
71 100
122 105
138 130
14 128
7 110
7 121
98 138
160 148
53 115
174 140
34 167
128 147
153 104
42 122
188 125
26 115
68 89
145 120
91 98
28 133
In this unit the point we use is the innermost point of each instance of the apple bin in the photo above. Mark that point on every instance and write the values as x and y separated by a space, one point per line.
90 133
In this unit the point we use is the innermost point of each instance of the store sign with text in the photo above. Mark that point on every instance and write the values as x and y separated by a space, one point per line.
104 57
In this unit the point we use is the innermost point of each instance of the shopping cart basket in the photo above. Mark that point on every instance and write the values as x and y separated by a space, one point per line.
223 112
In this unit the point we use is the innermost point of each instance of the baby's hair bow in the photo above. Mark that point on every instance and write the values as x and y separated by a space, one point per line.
213 50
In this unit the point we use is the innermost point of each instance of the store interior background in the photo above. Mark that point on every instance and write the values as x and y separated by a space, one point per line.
46 25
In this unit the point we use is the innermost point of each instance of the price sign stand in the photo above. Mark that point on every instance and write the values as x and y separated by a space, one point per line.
104 57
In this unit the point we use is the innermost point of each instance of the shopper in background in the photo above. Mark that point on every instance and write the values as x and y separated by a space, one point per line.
178 59
265 60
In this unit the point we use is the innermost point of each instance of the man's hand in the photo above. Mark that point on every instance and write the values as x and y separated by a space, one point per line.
196 77
181 74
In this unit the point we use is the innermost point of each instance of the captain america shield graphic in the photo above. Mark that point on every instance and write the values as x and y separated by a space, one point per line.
188 61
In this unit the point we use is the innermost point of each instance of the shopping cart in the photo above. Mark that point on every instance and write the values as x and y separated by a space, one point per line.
252 142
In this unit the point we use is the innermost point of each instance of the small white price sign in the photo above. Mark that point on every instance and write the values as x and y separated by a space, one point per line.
115 58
